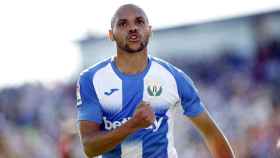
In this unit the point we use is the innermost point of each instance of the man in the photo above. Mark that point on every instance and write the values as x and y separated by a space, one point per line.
125 102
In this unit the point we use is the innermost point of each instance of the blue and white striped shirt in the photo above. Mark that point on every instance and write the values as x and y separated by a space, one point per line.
108 97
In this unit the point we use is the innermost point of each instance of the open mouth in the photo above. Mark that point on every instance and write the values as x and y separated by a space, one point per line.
133 37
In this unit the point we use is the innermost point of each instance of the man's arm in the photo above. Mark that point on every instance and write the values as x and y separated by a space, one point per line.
97 142
213 136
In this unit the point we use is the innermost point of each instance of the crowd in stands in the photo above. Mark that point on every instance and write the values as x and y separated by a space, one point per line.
242 94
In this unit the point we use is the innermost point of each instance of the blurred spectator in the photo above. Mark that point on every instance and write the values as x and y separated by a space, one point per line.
242 93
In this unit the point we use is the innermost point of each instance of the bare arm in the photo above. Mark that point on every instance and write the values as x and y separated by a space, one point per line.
97 142
213 136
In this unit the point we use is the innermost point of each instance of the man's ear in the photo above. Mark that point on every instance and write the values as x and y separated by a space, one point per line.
110 35
151 31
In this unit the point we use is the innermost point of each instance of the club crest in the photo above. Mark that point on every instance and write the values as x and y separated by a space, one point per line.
154 89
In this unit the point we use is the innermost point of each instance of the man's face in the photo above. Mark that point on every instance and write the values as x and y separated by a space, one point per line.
131 30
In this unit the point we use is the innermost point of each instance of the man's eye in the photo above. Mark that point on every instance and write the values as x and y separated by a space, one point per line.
122 24
140 22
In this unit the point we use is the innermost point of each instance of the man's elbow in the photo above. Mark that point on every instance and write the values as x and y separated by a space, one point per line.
222 146
90 150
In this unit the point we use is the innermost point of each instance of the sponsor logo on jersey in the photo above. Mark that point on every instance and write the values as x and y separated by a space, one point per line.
111 91
109 125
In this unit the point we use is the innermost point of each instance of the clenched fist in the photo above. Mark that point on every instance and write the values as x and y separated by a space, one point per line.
143 116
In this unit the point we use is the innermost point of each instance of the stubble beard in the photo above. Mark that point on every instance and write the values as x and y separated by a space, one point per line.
125 47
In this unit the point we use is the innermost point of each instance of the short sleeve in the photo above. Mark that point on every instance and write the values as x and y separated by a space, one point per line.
188 94
88 106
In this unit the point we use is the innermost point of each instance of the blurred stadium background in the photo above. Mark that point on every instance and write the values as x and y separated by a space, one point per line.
234 62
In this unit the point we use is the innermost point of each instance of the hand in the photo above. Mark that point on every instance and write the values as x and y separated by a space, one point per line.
143 116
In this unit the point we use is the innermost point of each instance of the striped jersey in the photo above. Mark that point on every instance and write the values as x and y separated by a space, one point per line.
109 97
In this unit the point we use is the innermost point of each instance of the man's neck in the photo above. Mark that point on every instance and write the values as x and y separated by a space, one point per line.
131 63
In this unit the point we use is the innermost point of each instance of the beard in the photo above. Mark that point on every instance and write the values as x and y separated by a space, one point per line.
125 47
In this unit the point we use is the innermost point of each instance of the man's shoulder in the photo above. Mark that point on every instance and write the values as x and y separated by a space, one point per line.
176 72
90 71
165 64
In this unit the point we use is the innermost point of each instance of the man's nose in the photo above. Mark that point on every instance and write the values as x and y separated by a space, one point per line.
133 28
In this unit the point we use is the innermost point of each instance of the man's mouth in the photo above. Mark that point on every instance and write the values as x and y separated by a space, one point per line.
133 37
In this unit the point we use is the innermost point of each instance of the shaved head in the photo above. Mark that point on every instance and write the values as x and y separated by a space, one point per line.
130 29
126 7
